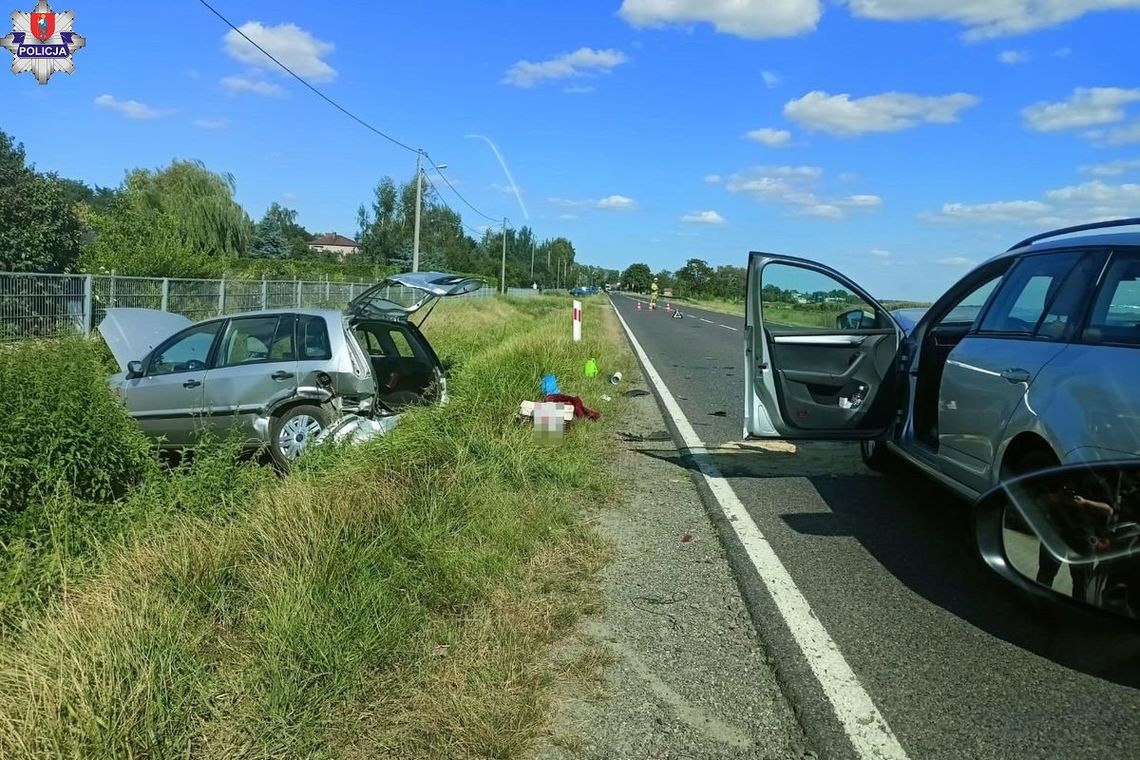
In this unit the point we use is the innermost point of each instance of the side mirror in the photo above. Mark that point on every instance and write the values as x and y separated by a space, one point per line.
134 369
1069 533
856 319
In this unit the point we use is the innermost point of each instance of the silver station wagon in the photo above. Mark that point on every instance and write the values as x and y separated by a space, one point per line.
282 377
1031 360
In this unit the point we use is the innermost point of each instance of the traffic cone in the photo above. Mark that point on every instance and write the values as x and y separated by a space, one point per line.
639 305
668 307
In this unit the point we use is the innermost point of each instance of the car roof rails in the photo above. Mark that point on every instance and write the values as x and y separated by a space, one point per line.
1133 221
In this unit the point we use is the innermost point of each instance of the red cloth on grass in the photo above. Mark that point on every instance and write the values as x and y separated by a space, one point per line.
580 409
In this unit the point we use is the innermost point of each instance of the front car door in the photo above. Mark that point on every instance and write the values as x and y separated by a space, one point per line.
820 354
167 400
255 367
1028 321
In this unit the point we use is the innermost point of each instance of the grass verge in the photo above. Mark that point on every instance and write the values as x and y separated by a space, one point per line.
389 600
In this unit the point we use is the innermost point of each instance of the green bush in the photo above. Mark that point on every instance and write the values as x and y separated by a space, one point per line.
63 427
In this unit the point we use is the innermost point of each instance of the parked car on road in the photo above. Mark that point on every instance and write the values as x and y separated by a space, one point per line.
279 377
1029 361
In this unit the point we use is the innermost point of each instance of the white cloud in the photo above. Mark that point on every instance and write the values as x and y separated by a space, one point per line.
889 112
794 186
582 62
771 79
1013 57
1126 135
256 86
773 138
880 253
985 19
703 217
1086 202
288 43
567 217
132 109
956 261
609 203
753 19
1113 168
211 123
713 179
1088 107
579 89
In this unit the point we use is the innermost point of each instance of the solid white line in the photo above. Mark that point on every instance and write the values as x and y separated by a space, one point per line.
728 328
861 720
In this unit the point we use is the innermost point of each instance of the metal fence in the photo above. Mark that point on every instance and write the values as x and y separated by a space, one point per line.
53 305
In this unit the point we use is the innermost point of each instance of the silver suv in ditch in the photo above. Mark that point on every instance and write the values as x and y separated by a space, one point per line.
280 377
1031 360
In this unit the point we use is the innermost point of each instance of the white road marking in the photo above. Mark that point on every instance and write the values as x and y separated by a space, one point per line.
728 328
857 713
706 320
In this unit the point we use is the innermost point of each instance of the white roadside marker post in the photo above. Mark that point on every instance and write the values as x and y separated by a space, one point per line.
577 317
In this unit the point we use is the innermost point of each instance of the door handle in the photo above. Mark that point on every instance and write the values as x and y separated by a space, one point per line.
191 383
281 375
1016 375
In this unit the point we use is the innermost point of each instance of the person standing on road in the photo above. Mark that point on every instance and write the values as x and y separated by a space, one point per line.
653 294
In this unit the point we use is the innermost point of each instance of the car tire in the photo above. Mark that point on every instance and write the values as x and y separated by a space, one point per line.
293 430
877 456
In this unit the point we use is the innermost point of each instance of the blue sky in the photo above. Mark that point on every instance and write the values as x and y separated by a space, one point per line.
897 140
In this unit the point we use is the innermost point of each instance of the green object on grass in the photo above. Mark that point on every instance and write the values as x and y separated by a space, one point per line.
592 368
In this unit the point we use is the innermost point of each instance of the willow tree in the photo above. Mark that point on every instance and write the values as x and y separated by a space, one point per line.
178 221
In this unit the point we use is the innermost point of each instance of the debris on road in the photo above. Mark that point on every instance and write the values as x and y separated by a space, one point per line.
615 378
721 413
659 435
591 368
635 393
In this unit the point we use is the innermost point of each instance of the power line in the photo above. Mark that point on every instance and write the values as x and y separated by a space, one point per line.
465 225
303 81
445 179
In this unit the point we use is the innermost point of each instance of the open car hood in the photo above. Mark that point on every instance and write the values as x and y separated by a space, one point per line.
402 295
132 333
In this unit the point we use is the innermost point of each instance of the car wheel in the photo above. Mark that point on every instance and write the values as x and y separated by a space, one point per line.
293 431
876 455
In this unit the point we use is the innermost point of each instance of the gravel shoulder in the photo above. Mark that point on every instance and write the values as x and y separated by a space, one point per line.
674 667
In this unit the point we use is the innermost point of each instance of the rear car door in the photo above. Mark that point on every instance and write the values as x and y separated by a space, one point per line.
255 366
167 400
1028 321
820 354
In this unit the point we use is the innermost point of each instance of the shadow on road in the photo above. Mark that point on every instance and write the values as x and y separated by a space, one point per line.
923 536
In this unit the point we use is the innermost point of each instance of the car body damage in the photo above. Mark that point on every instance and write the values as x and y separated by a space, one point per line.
281 378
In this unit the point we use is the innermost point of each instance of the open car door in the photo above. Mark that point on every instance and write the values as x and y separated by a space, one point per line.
821 356
402 295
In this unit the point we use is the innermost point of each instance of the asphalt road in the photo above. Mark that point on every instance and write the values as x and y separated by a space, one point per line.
958 665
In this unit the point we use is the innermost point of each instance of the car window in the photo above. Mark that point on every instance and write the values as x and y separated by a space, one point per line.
1027 292
1115 316
795 298
313 338
967 311
1064 309
251 340
403 346
186 353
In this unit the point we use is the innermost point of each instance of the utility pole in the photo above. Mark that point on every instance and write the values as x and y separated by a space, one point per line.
503 268
532 256
419 202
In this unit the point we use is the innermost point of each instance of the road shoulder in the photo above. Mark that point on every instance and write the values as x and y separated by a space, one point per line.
677 668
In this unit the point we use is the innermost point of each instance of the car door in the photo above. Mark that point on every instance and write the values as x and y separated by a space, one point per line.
820 354
255 366
166 400
1029 320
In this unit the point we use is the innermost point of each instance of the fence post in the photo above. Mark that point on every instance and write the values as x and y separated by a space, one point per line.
111 295
165 293
328 290
264 294
298 289
88 304
351 290
222 296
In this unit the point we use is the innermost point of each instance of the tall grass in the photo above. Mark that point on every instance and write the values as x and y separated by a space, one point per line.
388 599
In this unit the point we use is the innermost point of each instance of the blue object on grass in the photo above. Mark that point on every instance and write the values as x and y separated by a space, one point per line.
549 385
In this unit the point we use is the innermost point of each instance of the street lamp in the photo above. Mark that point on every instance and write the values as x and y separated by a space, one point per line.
419 204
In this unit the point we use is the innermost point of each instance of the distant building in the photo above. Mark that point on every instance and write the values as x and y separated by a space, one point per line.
335 244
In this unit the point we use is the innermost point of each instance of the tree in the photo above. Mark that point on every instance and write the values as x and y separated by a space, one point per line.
285 219
694 278
637 277
40 226
269 241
